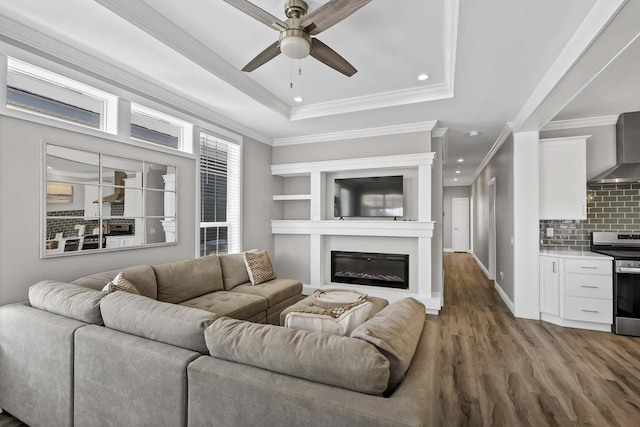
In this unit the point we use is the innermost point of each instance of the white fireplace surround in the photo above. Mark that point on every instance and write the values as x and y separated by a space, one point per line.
320 230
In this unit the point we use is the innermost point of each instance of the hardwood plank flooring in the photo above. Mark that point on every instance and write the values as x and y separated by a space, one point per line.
492 369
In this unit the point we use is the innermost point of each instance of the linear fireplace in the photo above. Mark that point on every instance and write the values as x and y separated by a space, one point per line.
373 269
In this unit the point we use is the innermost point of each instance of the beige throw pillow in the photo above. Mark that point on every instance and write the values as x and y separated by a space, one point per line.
119 283
259 267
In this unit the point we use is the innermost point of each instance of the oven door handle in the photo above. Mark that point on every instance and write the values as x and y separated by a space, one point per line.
628 270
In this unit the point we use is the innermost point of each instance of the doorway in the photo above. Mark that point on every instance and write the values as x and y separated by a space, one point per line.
460 225
492 228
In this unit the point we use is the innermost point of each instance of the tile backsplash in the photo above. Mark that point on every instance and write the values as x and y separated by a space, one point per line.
610 207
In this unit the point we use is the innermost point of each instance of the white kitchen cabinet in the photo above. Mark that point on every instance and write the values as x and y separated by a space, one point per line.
91 209
563 178
121 241
577 291
550 285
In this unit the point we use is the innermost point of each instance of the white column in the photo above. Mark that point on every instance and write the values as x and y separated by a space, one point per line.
526 224
316 260
424 192
318 192
424 267
3 84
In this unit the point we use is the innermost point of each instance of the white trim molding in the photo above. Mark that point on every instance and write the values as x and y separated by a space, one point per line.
506 131
358 133
510 305
481 265
581 123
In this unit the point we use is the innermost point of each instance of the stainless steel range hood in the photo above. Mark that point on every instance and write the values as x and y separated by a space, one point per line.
118 192
627 168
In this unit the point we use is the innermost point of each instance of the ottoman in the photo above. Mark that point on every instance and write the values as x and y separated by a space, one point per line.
308 304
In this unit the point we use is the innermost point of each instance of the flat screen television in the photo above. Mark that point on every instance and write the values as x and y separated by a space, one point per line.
369 197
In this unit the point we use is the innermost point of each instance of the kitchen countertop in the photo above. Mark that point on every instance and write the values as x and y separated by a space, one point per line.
572 253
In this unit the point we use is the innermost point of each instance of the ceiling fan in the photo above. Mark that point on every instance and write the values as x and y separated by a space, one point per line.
295 32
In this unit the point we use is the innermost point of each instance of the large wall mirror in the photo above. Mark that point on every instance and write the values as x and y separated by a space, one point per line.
97 202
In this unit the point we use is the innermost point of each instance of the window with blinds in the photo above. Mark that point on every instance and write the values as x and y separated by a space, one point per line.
219 196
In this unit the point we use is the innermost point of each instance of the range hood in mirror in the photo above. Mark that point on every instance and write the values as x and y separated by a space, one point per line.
118 192
627 168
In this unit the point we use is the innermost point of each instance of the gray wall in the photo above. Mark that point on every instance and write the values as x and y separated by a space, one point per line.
258 188
292 252
500 167
21 179
447 222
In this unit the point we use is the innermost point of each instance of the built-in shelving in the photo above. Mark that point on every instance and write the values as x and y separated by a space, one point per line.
321 230
292 197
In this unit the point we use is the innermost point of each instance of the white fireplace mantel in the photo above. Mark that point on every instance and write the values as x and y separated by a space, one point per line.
319 229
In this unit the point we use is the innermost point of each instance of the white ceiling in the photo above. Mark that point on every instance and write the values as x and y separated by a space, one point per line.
485 60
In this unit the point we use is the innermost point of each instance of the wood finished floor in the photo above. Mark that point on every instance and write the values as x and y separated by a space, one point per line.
494 370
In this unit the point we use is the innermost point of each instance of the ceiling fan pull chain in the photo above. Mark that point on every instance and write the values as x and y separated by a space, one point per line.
291 76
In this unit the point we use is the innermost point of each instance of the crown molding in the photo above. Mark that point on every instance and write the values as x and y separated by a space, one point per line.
581 123
371 102
439 132
359 133
144 17
504 134
40 49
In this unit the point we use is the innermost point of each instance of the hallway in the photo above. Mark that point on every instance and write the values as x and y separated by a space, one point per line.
493 369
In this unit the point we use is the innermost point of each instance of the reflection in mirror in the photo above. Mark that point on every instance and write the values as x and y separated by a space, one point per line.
116 170
67 164
86 213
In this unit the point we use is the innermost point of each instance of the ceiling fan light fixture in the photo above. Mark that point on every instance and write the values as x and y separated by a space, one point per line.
295 43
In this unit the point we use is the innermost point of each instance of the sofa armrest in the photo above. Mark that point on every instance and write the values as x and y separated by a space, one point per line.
36 364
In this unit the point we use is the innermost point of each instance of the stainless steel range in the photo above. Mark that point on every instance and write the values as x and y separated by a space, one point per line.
625 249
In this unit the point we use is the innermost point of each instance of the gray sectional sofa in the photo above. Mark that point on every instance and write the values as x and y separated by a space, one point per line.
175 356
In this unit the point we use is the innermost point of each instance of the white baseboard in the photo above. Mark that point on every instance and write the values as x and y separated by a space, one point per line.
448 249
505 297
481 265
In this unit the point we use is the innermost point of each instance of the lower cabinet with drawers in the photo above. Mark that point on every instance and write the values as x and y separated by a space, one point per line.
577 291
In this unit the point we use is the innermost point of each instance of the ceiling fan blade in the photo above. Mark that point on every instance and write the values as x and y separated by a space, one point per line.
255 12
265 56
330 14
330 57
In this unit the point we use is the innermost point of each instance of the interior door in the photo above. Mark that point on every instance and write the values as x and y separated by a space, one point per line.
461 224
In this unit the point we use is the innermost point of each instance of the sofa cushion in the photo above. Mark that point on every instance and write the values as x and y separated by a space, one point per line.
67 299
339 361
159 321
274 291
231 304
142 276
234 270
395 331
259 267
318 319
183 280
120 283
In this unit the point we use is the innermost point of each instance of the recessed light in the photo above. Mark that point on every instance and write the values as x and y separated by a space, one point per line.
457 171
423 76
460 160
298 99
49 167
455 179
474 133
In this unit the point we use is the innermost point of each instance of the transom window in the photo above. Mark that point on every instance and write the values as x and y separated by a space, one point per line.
42 92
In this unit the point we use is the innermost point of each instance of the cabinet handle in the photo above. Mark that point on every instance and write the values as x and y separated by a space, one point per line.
589 311
590 287
588 267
